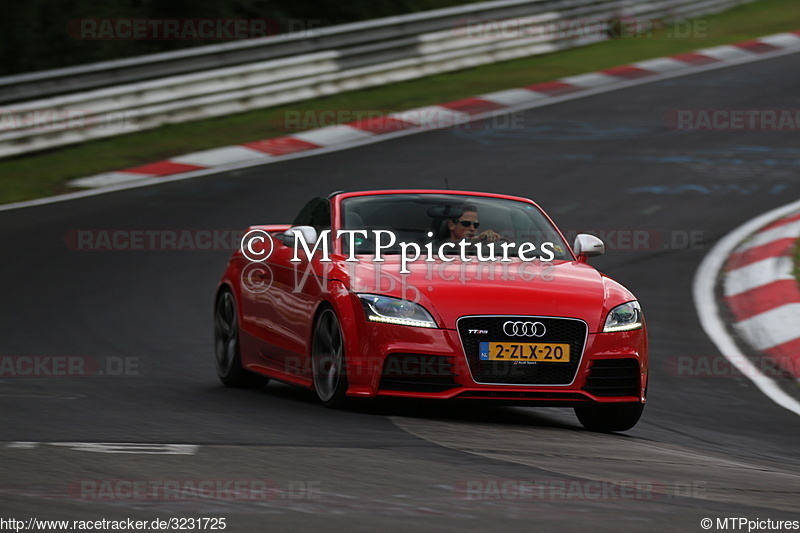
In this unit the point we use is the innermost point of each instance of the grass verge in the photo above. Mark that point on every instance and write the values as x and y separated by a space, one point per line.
46 173
797 261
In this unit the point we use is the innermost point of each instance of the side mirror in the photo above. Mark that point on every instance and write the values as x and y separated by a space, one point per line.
588 245
290 235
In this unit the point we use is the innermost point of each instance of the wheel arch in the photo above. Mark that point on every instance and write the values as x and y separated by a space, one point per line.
350 314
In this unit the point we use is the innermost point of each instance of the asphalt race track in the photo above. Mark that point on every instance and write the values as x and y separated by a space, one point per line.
709 443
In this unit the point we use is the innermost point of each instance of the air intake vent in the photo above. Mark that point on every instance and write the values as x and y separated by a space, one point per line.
613 377
411 372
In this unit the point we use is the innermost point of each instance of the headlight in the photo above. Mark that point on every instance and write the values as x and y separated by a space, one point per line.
625 317
395 311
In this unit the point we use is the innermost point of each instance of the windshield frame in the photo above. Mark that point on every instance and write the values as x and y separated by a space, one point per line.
439 197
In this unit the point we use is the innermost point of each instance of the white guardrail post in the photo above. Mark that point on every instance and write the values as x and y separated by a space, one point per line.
78 104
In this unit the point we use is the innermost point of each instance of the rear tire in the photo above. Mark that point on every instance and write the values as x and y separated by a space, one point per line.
226 346
609 417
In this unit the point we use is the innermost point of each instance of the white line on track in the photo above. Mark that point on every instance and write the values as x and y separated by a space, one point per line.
710 317
114 447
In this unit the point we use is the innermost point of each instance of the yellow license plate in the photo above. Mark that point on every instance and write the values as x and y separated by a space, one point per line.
524 351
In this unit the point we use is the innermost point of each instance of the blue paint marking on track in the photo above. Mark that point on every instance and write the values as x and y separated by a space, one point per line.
737 155
552 131
711 160
565 131
749 148
718 188
728 82
686 159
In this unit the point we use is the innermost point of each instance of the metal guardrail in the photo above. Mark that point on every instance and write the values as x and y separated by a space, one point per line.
245 75
85 77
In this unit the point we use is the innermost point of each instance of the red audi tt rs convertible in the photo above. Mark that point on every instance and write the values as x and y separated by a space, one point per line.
432 294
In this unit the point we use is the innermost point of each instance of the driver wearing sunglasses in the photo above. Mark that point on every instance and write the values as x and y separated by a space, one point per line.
466 227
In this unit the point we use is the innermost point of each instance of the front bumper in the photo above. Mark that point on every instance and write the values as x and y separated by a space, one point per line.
431 363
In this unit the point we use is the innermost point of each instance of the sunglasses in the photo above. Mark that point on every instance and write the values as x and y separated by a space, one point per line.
468 223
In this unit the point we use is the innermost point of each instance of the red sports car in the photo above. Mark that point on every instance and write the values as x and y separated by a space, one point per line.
432 294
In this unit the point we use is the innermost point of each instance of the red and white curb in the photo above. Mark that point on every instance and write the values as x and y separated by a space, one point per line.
740 257
763 295
445 115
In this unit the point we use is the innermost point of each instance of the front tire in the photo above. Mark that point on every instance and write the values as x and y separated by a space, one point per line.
609 417
226 346
328 360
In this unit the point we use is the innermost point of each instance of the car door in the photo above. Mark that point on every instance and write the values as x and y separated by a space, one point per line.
296 290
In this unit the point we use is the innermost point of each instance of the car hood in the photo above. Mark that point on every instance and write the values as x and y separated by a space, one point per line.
452 290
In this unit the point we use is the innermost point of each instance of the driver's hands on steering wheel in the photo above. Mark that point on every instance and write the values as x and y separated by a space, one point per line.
488 236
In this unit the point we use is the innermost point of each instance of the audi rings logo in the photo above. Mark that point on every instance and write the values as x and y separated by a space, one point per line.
524 329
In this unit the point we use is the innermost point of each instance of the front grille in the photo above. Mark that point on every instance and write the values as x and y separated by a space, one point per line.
613 377
558 330
411 372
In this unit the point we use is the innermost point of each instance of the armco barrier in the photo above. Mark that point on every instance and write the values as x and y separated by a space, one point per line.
245 75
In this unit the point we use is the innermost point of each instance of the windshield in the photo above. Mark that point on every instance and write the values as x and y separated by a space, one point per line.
442 218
